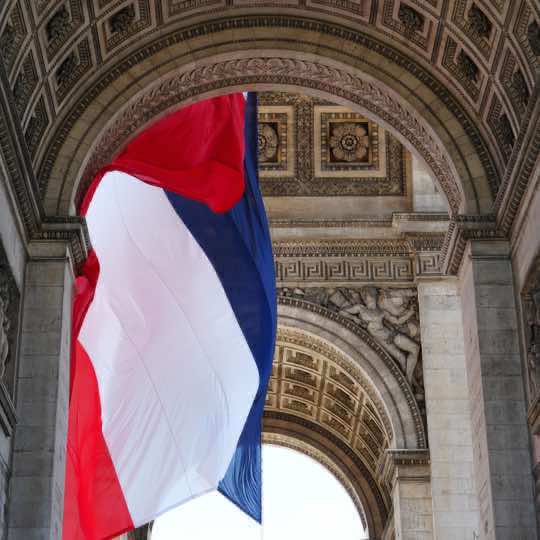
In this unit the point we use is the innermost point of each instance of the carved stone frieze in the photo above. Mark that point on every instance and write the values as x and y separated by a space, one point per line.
533 35
25 84
464 69
520 170
72 67
312 380
357 261
479 22
9 323
347 377
36 126
514 82
501 127
389 315
531 314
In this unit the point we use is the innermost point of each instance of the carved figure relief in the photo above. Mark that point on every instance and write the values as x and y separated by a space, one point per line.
532 324
5 326
390 315
9 315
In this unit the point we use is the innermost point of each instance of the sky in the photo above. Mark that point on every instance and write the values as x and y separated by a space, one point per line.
301 499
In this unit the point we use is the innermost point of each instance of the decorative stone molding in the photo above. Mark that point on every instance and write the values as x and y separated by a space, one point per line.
521 166
357 261
461 230
292 71
70 231
405 464
313 147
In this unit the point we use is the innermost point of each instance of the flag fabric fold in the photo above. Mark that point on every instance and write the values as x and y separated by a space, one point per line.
173 325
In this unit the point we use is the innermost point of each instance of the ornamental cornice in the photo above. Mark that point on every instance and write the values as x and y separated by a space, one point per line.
405 464
353 248
409 456
36 227
357 261
521 167
462 229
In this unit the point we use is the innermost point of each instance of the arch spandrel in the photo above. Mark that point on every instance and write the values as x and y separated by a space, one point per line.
418 116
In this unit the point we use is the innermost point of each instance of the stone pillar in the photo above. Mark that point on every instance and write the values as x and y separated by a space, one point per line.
407 471
37 483
502 463
455 507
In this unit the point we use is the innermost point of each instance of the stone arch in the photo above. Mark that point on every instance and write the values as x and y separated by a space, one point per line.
280 437
378 367
152 83
319 444
332 388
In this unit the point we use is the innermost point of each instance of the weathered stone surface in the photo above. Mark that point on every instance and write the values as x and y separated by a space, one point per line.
501 444
37 484
455 508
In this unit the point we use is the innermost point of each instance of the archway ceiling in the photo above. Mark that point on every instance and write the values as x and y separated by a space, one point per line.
56 52
320 403
314 381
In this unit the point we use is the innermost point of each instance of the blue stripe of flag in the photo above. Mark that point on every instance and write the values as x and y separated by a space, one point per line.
237 243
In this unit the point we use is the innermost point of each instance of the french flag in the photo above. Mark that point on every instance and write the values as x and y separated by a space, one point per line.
174 325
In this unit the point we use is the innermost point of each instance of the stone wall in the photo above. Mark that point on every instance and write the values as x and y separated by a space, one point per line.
12 267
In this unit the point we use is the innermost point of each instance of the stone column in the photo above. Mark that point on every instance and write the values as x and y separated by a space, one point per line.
37 483
407 471
455 508
502 463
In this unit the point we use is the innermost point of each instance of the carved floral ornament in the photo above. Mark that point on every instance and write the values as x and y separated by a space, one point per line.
283 71
349 142
267 142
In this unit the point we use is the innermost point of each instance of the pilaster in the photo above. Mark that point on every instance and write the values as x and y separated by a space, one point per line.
502 463
408 473
37 484
455 508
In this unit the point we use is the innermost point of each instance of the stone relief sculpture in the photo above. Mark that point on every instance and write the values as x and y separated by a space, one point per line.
532 323
385 314
4 328
390 315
